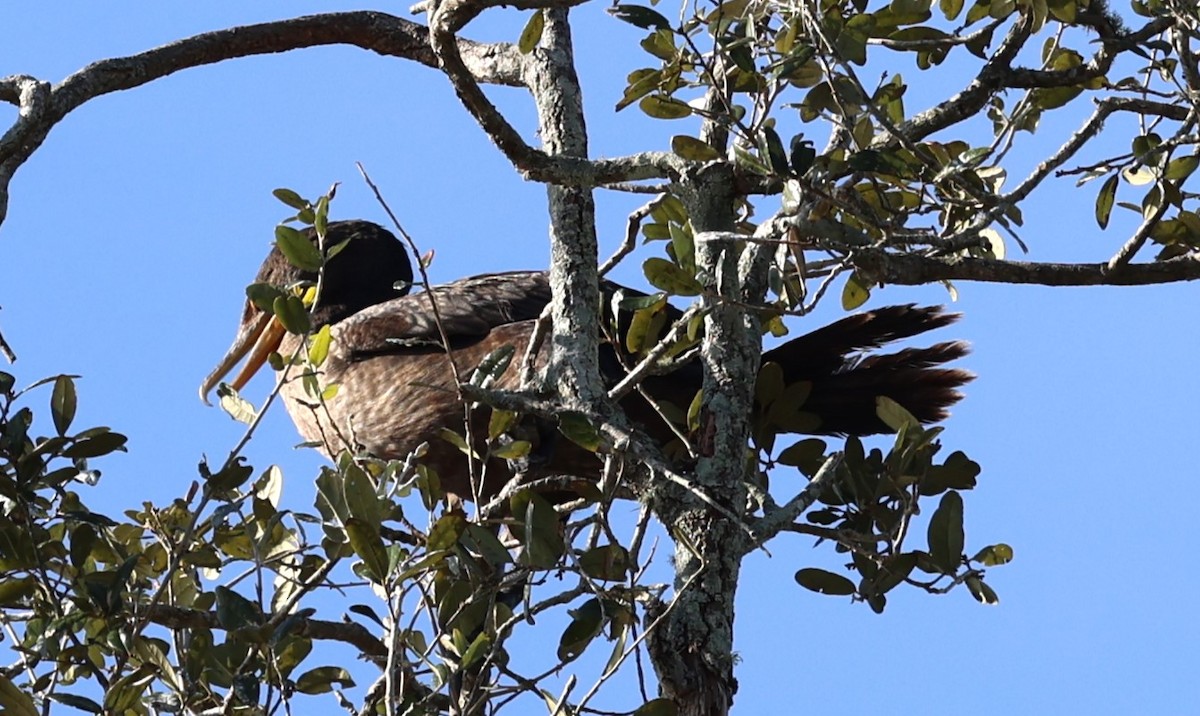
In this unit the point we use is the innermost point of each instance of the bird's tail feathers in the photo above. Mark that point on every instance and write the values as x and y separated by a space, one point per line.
846 384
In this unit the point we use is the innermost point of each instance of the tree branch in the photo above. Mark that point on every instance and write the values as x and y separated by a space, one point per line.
912 270
41 107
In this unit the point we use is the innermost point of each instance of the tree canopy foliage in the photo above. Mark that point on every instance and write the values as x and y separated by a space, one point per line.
809 173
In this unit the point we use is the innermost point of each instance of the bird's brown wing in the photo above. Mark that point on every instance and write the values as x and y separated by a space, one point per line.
468 310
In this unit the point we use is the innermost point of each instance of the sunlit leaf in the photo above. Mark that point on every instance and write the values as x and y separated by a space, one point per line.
994 555
291 313
532 34
893 414
664 107
318 349
668 276
291 198
297 248
1105 200
693 149
854 293
321 680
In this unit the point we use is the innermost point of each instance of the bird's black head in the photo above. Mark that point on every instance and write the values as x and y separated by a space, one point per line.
363 273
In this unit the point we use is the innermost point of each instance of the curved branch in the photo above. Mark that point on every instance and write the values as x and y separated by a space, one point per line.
42 107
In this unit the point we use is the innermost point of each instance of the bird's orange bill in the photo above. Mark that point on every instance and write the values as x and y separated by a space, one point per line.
255 341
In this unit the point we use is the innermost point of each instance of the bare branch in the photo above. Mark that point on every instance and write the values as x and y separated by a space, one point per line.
42 107
781 518
911 270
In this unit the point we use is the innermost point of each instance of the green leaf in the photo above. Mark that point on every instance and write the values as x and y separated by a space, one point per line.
1182 167
607 562
808 455
1063 10
786 405
542 534
499 422
772 149
641 83
514 450
291 313
318 349
683 247
823 582
893 414
585 625
994 555
661 44
63 403
957 473
1105 200
802 156
981 591
946 537
639 16
291 198
101 443
15 701
579 430
484 542
368 545
14 591
693 411
893 572
446 532
321 679
693 149
854 293
951 8
297 248
362 498
769 384
235 611
645 328
75 701
263 296
664 107
477 649
668 276
532 34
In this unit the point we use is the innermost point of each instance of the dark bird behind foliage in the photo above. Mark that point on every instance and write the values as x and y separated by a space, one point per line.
397 391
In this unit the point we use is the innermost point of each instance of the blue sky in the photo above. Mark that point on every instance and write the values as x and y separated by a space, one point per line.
133 230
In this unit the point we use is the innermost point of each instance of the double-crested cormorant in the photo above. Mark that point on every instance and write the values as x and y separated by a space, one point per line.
397 391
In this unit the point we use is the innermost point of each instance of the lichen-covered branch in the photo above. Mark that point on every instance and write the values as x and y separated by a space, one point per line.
914 270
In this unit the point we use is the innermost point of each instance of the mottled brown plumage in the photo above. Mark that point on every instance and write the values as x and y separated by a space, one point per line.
397 390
